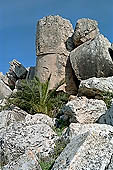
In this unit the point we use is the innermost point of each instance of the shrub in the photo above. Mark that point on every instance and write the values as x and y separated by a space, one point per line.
35 97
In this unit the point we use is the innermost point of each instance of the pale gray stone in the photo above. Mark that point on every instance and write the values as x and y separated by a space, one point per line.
20 136
52 48
28 161
84 110
33 119
52 34
5 91
93 87
13 114
92 59
86 29
90 148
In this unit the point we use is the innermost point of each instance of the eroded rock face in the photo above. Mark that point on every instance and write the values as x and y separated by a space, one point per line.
27 161
21 136
52 34
5 91
52 41
93 87
17 68
92 59
53 64
14 114
84 110
86 29
91 147
33 119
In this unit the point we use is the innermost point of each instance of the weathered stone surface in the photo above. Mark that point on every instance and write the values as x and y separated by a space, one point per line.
92 59
13 114
52 34
107 118
92 87
27 161
70 78
18 69
52 48
90 148
84 110
5 91
86 29
53 64
34 119
8 81
20 136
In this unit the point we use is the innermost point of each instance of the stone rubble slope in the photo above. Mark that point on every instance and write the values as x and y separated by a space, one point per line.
91 148
84 58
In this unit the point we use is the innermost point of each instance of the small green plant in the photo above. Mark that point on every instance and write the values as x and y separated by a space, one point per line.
107 97
46 165
59 147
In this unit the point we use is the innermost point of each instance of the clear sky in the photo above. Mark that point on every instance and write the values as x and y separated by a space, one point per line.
18 19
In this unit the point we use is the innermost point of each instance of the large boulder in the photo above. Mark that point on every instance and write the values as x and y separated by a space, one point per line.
5 91
93 87
21 136
84 110
27 161
13 114
52 34
90 148
92 59
17 68
86 29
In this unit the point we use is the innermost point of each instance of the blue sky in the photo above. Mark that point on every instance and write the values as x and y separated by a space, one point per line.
18 19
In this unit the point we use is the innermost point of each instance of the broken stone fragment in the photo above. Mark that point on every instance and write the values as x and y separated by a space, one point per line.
86 29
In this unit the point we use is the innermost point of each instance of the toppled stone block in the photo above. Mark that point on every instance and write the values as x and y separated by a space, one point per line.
17 68
90 148
92 59
86 29
84 110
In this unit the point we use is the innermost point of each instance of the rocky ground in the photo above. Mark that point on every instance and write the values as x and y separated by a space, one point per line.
84 58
